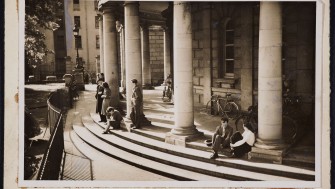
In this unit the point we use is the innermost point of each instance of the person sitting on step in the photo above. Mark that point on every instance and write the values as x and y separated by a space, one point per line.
114 119
221 137
241 144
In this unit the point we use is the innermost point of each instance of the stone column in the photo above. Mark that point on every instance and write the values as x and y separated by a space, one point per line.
122 55
167 49
110 53
183 74
246 59
207 52
269 145
97 63
101 39
146 68
132 48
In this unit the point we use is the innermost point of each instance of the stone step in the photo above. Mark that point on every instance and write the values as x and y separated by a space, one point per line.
203 156
175 155
136 160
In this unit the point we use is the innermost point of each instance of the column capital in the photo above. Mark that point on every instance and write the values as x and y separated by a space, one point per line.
99 16
131 2
111 7
206 5
144 25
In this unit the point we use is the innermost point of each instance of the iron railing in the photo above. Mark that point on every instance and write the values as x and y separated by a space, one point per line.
51 164
50 168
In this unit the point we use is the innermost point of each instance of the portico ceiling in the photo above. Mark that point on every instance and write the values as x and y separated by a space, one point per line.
150 11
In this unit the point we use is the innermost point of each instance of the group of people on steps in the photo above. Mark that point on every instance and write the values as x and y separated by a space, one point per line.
110 115
223 136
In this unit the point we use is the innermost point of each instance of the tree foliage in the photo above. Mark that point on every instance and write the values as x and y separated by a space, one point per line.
40 15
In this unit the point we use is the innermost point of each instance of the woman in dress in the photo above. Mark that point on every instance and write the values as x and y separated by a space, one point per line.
106 98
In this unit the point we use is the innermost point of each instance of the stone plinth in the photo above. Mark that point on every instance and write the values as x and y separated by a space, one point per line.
180 140
266 156
78 75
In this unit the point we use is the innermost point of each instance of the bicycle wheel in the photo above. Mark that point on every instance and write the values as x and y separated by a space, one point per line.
231 110
289 129
211 108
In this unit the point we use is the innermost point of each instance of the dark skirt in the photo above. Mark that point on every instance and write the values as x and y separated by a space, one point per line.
239 151
99 104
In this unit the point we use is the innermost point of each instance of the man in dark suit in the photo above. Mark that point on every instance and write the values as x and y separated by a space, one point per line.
136 104
221 137
100 91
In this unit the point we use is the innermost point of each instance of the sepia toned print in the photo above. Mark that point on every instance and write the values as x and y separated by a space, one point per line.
138 93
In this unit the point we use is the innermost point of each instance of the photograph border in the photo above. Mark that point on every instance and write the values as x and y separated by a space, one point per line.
10 163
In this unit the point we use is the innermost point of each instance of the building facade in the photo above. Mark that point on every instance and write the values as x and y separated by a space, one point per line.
255 51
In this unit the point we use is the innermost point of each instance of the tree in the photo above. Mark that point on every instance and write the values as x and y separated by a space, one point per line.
40 16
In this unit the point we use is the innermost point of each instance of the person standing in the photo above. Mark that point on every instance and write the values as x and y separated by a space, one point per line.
221 137
99 93
106 98
114 119
136 105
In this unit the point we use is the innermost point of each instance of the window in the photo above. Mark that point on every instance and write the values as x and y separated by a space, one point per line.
76 5
78 42
96 22
97 41
226 68
77 21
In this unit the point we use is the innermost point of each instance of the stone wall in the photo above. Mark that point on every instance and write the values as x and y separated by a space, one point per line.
197 48
299 51
156 45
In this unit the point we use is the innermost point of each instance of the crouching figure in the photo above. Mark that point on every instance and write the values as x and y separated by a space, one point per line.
241 144
114 119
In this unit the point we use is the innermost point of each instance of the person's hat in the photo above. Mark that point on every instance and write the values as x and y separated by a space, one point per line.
134 80
110 109
208 142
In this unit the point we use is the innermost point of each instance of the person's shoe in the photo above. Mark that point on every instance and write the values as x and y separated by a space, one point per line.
214 156
105 132
101 121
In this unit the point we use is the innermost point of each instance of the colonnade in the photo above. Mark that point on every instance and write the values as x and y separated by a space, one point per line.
137 65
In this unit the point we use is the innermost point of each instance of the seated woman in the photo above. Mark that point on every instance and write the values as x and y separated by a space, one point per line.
241 144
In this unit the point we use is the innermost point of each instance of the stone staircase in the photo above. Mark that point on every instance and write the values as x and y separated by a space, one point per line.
145 148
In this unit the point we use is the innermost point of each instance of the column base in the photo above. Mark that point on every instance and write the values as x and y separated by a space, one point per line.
180 140
268 151
129 124
148 87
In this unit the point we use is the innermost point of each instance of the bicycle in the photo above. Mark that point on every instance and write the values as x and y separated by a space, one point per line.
290 126
251 116
228 109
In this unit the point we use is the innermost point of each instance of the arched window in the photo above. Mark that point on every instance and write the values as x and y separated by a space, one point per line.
227 50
